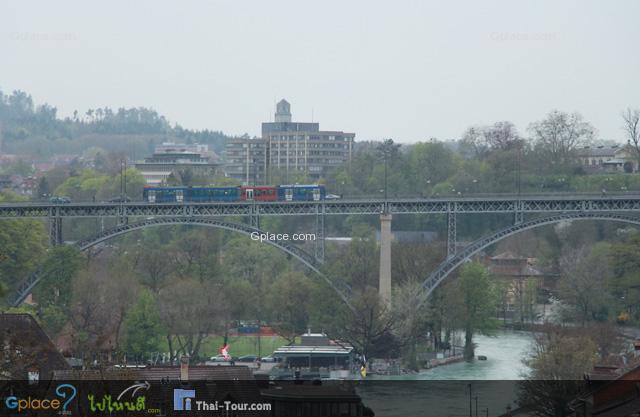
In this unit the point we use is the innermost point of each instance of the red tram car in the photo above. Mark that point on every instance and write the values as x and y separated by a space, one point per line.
261 193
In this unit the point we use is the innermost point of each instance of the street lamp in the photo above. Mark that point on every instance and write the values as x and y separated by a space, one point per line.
476 397
470 403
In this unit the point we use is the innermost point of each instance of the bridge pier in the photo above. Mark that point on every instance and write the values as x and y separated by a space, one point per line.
384 284
55 230
451 235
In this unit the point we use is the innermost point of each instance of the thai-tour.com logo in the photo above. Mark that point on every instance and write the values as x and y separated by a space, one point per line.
182 399
65 393
185 400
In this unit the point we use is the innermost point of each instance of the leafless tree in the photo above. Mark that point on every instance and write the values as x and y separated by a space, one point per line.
101 297
631 127
369 320
482 140
155 266
411 319
190 310
585 272
560 357
559 134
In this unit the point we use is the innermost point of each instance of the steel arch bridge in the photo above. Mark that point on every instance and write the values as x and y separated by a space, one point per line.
457 259
311 262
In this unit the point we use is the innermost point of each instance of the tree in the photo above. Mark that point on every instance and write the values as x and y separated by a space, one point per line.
190 310
387 152
525 293
625 282
367 324
480 141
155 267
288 301
58 272
359 263
410 316
477 300
559 135
428 164
22 246
583 284
559 359
43 188
195 254
631 126
142 326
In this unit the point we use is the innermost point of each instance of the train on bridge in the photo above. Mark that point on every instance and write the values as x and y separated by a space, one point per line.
180 194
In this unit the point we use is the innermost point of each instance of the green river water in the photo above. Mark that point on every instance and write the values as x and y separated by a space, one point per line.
444 391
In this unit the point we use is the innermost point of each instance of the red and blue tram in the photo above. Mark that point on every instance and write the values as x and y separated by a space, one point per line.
180 194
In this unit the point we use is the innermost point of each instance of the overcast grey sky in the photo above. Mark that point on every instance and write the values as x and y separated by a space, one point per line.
409 70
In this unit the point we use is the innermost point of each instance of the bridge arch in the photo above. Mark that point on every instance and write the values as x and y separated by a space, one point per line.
341 288
452 263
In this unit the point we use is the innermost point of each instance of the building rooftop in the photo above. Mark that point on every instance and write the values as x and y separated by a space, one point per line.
159 373
36 350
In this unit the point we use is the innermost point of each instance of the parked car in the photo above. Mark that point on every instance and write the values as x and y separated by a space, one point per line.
120 200
218 358
60 200
247 358
332 197
268 359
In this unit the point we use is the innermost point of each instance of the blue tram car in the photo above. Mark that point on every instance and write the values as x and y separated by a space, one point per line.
179 194
296 192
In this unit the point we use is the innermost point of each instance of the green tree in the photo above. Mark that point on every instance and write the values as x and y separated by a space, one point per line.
477 300
429 164
142 326
22 246
58 272
288 301
625 282
359 263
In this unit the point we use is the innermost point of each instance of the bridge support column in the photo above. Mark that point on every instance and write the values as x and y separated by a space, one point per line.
122 215
254 216
55 230
451 234
384 285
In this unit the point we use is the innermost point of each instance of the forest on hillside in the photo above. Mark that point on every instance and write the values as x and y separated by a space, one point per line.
38 131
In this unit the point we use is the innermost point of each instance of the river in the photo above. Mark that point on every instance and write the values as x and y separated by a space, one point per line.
444 391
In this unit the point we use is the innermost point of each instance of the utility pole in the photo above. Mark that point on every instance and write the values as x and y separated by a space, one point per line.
124 170
470 402
121 181
385 176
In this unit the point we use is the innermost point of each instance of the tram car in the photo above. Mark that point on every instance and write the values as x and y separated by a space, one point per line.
312 192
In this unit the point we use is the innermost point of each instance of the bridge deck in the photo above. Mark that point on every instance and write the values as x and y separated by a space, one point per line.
500 204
